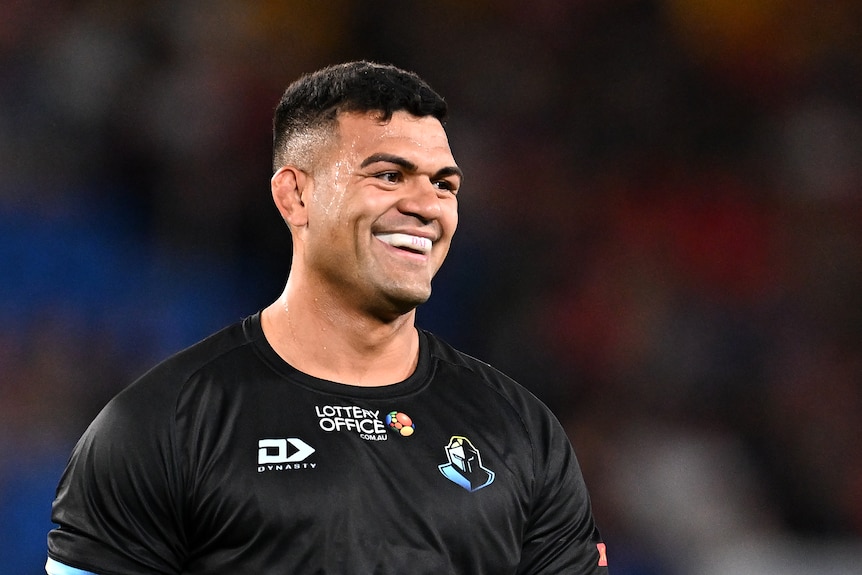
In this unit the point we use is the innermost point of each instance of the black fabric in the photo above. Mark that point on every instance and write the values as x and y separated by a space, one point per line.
224 459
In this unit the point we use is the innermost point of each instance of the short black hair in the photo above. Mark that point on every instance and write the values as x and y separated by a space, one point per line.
315 100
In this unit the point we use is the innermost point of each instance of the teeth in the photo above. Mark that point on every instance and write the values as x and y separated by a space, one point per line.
406 241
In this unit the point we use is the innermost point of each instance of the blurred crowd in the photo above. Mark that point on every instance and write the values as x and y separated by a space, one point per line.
661 236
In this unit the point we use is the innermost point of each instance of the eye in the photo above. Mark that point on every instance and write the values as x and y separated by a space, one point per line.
446 185
391 177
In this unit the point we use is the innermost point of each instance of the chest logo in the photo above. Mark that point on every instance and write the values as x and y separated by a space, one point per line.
353 419
283 454
400 423
465 467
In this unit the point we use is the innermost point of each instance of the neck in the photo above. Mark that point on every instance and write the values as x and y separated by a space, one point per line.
329 341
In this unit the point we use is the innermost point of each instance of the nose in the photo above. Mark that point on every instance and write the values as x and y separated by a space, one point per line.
421 200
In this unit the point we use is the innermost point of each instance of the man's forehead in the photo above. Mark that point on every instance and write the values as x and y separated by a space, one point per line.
370 128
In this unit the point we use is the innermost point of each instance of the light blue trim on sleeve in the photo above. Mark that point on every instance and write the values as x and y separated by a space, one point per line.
56 568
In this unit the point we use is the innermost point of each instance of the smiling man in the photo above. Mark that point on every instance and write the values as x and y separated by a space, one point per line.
327 433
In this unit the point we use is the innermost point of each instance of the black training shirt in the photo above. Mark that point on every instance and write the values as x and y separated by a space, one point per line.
225 459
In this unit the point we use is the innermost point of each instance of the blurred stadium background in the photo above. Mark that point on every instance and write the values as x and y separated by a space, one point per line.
661 236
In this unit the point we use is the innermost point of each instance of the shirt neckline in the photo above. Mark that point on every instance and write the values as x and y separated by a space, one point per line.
417 381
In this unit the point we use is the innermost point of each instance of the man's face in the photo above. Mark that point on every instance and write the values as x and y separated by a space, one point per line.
383 211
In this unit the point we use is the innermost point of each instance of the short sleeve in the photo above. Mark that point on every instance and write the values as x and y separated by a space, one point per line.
562 536
118 505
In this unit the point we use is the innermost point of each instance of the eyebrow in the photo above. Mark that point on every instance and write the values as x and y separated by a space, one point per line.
410 166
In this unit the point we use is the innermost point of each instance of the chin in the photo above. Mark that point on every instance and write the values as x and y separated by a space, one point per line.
404 301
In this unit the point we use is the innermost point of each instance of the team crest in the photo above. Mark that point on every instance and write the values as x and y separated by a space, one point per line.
465 465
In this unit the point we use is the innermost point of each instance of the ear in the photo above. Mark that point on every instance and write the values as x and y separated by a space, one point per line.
289 186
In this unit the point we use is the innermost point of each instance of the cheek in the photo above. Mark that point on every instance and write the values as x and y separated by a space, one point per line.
332 206
331 194
449 220
334 215
449 223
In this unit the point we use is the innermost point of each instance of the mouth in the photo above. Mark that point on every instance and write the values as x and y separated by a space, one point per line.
406 242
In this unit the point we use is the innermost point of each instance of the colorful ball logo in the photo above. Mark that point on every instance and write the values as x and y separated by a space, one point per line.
401 423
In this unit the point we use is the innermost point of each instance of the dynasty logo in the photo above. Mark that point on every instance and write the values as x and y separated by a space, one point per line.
283 454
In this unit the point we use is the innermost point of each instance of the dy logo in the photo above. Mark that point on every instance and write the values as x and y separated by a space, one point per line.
288 450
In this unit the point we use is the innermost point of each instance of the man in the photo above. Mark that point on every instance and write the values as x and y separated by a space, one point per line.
327 434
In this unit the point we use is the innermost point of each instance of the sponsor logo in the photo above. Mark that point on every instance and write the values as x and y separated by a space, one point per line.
400 423
367 423
465 467
283 454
